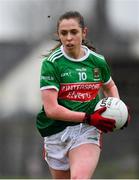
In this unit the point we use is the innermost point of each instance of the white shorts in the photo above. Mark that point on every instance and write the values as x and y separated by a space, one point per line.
57 146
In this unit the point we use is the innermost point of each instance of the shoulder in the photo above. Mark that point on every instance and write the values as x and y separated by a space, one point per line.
98 58
53 56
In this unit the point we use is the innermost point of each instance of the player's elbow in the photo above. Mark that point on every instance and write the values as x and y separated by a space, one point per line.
50 112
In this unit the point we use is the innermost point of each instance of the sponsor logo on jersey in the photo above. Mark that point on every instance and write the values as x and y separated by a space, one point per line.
48 78
81 92
81 69
66 74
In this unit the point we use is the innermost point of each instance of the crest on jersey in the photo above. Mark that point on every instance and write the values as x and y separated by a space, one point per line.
96 73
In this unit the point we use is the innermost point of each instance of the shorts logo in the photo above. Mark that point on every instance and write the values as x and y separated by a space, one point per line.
93 138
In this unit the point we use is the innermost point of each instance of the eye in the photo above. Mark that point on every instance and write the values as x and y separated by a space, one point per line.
74 31
63 33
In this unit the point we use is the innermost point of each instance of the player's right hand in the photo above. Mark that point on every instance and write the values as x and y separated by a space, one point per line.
100 122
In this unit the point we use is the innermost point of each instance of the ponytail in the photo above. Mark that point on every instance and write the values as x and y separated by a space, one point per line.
89 45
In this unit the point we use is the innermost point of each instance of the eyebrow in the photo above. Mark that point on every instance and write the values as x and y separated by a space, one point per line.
68 29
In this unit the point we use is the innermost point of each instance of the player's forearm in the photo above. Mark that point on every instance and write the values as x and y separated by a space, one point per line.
111 92
61 113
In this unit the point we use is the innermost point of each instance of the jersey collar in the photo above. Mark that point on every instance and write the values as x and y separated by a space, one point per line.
87 51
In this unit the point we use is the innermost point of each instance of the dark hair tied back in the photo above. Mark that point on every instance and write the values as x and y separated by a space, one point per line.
80 19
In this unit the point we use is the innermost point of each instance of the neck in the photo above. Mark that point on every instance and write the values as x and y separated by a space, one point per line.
76 53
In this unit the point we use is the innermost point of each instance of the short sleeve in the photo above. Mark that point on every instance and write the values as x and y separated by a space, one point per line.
106 74
49 76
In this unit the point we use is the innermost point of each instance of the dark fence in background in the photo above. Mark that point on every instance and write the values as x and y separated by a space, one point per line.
21 146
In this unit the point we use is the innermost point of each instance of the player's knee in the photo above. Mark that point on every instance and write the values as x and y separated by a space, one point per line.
80 175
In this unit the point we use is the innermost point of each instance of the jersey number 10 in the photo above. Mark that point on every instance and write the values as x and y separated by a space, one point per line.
82 76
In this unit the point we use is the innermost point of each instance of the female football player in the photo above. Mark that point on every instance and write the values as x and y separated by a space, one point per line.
71 78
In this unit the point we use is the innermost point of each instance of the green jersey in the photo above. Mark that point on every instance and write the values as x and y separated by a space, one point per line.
77 81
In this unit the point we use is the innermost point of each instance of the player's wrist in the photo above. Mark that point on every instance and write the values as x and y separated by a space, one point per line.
87 118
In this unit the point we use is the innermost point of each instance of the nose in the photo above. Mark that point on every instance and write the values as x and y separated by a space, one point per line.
69 36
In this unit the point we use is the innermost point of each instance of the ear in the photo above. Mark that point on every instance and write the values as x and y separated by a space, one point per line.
85 31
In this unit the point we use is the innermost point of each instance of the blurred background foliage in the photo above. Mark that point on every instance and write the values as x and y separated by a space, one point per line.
27 31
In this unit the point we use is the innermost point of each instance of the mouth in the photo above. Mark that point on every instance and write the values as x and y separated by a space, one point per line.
69 46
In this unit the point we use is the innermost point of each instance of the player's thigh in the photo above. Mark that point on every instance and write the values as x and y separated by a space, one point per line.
60 174
83 160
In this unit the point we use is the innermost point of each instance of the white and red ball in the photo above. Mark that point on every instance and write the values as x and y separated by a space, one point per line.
116 109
